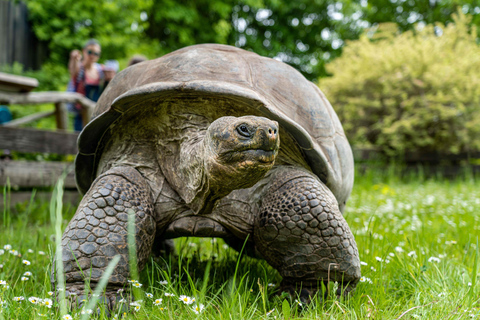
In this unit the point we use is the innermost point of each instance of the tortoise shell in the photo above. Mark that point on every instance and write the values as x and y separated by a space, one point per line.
276 90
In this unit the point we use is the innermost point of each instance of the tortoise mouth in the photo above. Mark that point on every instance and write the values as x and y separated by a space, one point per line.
252 156
260 155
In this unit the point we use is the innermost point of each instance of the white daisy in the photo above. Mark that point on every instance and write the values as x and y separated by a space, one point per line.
198 308
186 299
157 302
34 300
47 303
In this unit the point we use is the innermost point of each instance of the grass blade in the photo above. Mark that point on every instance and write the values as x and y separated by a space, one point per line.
101 286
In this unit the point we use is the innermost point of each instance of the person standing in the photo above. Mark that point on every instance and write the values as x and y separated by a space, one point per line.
87 77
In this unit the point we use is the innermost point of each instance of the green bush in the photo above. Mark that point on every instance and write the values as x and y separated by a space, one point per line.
415 91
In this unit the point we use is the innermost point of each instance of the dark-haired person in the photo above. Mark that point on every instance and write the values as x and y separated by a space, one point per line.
87 76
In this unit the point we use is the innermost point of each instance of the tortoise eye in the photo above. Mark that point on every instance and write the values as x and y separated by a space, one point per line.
243 130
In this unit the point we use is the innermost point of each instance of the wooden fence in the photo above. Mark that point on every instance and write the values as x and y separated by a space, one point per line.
18 43
30 174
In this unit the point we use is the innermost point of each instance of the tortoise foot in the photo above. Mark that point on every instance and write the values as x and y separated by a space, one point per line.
99 231
303 293
112 300
301 232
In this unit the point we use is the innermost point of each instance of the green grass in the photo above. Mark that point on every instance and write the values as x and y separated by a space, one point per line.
417 240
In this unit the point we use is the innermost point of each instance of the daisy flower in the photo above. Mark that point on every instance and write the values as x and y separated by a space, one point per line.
47 303
136 306
67 317
365 279
34 300
27 274
270 312
86 311
164 282
167 294
198 308
3 283
271 284
26 262
7 247
434 259
157 302
149 295
18 299
24 278
186 299
42 253
30 251
50 293
137 284
298 302
1 252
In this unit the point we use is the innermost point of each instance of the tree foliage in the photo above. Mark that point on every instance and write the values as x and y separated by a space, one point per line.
66 25
303 33
417 91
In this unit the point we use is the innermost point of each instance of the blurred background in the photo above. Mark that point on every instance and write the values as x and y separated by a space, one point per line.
403 75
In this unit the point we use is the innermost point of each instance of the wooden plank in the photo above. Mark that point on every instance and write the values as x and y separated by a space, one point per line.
46 97
14 83
32 174
32 140
70 197
27 119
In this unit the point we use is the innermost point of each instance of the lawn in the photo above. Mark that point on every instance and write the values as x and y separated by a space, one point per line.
417 240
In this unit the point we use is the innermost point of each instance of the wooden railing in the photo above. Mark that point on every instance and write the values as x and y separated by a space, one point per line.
59 99
32 174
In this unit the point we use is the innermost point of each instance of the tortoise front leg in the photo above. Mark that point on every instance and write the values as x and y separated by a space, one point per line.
98 231
301 232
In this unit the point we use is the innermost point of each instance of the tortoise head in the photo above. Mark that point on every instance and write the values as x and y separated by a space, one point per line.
239 151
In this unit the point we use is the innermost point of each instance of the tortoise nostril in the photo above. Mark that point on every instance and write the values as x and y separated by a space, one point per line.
270 131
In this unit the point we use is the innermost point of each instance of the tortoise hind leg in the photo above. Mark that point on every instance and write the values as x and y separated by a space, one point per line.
301 232
98 231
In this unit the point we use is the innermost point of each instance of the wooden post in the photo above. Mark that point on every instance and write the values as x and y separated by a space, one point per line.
61 115
86 115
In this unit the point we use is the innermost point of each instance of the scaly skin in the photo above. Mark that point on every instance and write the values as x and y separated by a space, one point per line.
98 232
300 231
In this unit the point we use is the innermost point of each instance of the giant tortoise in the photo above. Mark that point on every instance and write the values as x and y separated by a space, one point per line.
190 144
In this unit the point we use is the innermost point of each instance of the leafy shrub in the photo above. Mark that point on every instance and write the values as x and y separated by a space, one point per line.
416 91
